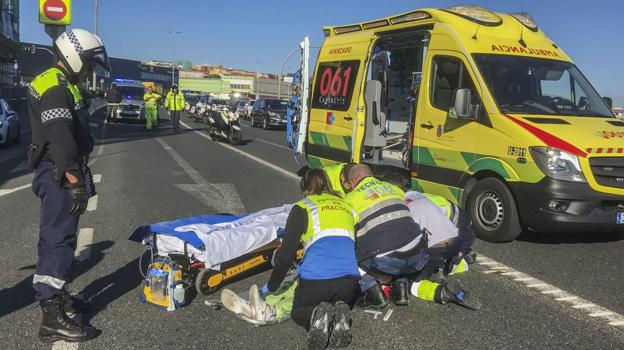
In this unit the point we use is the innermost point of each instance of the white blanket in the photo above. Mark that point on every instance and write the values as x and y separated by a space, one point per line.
228 240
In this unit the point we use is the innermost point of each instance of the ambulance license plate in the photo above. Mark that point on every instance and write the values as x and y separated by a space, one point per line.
619 217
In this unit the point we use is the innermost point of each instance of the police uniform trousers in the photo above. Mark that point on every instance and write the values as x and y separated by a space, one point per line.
57 234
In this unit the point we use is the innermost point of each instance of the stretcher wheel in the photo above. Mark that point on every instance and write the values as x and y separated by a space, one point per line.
208 281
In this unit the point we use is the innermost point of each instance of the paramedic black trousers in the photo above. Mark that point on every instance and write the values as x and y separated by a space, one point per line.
310 293
57 234
175 120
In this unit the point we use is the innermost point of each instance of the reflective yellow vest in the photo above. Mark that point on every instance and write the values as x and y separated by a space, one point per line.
333 173
51 78
174 102
150 100
329 241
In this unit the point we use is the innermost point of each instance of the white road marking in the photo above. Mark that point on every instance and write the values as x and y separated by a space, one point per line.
223 197
63 345
273 144
11 190
93 202
245 154
83 249
97 178
592 310
601 314
566 298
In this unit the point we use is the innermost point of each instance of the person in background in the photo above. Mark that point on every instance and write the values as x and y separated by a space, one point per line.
175 103
151 107
113 98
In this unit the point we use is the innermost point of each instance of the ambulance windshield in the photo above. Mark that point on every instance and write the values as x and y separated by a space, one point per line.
529 85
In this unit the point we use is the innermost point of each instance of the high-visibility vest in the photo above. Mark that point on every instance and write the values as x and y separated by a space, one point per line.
175 102
333 173
383 223
150 100
51 78
329 241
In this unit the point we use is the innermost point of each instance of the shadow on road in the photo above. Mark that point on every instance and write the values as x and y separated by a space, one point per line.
22 294
569 238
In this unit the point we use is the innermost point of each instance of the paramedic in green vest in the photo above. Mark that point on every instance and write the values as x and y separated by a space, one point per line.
174 103
151 107
336 177
328 273
390 243
59 152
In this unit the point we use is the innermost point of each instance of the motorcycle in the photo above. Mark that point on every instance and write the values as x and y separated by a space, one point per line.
223 124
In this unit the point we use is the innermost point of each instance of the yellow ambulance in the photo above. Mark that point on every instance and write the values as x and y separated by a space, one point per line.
479 107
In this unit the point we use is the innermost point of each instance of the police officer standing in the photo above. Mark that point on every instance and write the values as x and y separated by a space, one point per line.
61 144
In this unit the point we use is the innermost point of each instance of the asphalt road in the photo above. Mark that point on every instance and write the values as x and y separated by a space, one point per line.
141 176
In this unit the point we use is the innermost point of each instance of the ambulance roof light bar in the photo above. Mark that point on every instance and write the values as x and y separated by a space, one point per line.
476 14
526 20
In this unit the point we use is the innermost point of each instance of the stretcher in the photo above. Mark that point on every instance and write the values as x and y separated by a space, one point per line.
216 250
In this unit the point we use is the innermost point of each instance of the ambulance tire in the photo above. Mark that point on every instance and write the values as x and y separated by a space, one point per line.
493 211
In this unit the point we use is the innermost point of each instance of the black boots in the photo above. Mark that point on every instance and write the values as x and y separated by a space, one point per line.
373 298
398 293
75 305
56 325
453 292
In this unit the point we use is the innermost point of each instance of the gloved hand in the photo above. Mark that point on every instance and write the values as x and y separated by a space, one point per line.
264 289
79 198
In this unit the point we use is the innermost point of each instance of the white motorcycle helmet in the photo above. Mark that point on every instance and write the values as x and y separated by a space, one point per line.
80 51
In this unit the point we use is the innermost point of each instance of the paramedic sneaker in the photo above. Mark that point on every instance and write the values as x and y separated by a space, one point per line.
320 326
341 335
452 292
236 304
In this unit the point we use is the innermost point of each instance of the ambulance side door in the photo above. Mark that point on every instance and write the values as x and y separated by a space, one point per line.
444 145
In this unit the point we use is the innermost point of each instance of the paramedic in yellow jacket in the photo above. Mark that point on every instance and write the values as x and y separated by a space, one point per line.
151 107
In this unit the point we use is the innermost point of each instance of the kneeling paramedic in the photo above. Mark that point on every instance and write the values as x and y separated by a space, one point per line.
389 242
59 152
328 274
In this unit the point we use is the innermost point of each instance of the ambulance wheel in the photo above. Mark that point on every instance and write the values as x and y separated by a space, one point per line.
493 211
208 281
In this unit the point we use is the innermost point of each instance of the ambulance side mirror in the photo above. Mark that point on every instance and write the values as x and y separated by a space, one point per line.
372 98
461 108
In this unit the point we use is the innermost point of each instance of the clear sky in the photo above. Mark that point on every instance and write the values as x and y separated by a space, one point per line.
242 33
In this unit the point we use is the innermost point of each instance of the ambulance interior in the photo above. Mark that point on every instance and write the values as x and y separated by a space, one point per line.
393 78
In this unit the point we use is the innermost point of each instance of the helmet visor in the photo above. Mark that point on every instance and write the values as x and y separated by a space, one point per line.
96 57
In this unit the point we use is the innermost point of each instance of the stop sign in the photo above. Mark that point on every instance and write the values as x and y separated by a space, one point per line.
54 9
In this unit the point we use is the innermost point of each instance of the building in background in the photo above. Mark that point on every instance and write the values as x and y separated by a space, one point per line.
9 44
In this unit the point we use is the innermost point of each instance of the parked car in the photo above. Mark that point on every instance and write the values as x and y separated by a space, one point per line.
9 124
247 110
269 113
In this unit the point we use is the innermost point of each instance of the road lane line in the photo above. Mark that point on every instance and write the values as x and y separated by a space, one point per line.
245 154
601 314
593 310
220 196
92 204
273 144
11 190
63 345
97 178
83 246
566 298
614 318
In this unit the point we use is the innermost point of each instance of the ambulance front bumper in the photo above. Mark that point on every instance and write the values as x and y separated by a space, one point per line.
567 207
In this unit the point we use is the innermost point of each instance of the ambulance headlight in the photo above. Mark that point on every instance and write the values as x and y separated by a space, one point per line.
525 19
476 14
558 164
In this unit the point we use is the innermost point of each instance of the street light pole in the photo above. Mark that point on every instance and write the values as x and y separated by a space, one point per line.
95 30
173 64
258 63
